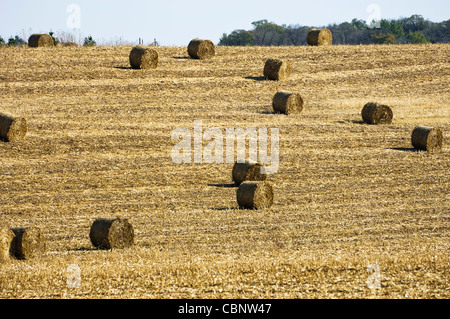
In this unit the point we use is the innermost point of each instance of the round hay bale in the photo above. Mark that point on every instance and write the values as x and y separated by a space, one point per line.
287 103
142 57
318 37
6 239
12 129
201 49
111 233
374 113
247 172
28 243
255 195
427 138
277 70
40 40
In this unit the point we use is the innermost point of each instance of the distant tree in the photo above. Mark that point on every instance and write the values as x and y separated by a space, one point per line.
414 29
16 41
417 37
2 41
55 41
89 42
359 24
344 33
393 28
11 42
438 32
381 38
296 35
238 38
414 23
267 33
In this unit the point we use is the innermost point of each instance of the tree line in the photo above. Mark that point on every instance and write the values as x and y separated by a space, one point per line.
63 38
414 29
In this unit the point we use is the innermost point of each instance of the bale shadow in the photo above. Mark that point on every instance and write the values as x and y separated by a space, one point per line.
233 185
182 57
276 113
405 149
255 78
223 209
360 122
123 68
84 249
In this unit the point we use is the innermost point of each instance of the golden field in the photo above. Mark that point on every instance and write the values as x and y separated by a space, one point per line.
347 195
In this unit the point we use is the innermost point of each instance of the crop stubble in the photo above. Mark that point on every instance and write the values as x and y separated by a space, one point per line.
347 194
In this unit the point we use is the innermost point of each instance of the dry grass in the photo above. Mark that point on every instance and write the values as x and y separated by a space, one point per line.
347 195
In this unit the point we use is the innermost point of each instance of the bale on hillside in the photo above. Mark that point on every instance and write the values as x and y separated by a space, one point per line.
28 243
277 70
12 129
287 103
375 113
40 40
255 195
111 233
318 37
247 172
6 239
142 57
201 49
427 138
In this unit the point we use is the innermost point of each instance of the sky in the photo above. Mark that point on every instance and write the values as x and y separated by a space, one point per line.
175 22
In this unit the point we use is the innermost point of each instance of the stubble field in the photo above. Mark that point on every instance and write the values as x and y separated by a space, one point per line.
347 195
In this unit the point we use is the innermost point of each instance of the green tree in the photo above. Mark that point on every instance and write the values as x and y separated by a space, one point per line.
55 42
2 41
238 38
414 23
359 24
414 29
397 29
417 37
89 42
382 38
267 33
15 41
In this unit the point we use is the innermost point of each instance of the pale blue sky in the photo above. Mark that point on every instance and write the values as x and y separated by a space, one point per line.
174 22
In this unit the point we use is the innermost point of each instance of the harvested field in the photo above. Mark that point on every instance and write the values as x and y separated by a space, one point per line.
347 195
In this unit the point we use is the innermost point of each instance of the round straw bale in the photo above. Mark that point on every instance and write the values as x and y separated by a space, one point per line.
6 239
255 195
247 172
375 113
319 37
12 129
427 138
277 70
142 57
112 233
201 49
28 243
40 40
287 102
